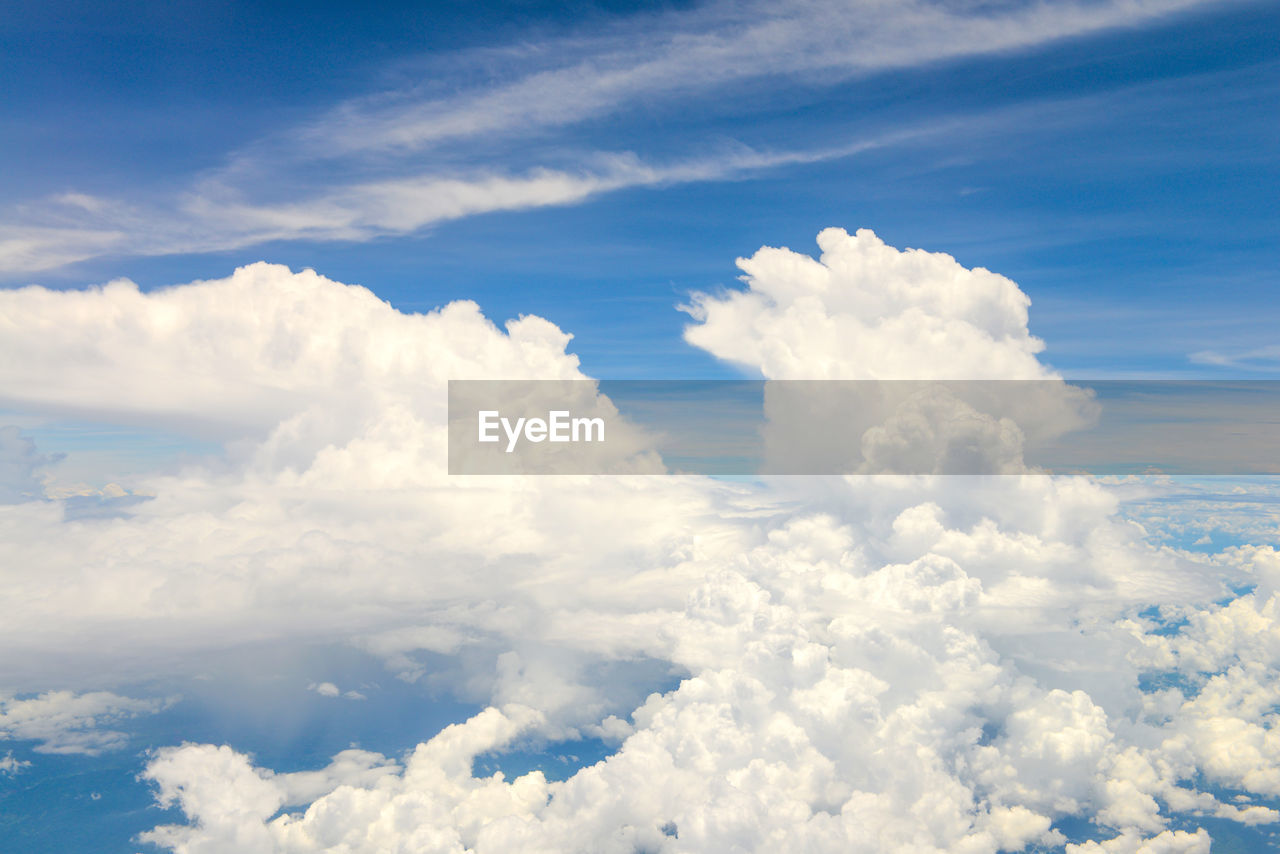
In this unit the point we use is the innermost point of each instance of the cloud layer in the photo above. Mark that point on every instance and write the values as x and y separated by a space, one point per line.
867 664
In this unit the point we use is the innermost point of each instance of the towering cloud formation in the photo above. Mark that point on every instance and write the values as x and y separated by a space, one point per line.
864 310
868 311
255 349
893 664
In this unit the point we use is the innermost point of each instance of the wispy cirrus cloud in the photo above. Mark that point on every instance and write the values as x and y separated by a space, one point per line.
442 148
1255 359
218 216
685 55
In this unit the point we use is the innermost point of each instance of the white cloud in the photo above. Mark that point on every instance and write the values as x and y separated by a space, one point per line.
683 55
195 355
329 397
328 689
261 793
411 202
1236 509
673 59
218 214
10 766
65 722
24 248
865 310
1256 359
872 664
858 733
1168 842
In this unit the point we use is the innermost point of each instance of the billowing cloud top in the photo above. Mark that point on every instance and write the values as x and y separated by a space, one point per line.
904 664
865 310
252 348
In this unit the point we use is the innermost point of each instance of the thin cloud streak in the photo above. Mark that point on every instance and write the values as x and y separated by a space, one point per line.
1258 359
682 56
216 217
823 41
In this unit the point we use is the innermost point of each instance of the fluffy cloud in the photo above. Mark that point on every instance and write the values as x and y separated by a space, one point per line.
221 789
817 719
332 496
253 351
64 722
865 310
10 766
869 664
1168 842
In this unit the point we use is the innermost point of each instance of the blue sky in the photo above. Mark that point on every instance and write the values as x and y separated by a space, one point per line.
1124 176
239 535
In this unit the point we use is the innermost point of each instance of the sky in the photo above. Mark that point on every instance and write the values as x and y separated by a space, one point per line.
1120 154
244 247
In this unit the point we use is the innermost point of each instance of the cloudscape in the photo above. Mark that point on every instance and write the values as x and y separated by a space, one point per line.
613 427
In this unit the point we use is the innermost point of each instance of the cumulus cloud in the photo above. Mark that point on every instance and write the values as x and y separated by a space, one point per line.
863 664
65 722
10 766
332 408
250 351
220 788
1168 842
858 725
864 310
